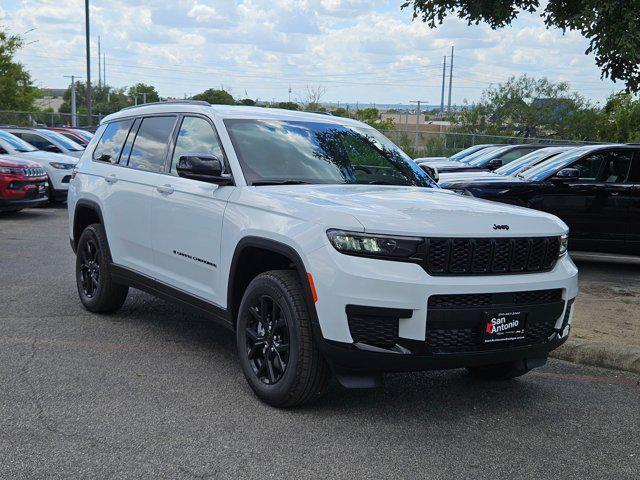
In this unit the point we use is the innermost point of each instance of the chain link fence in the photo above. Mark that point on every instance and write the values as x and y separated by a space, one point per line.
433 144
44 119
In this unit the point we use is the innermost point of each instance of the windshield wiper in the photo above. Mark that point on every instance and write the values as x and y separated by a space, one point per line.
279 182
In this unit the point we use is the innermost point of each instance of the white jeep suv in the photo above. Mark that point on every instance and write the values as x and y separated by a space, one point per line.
319 243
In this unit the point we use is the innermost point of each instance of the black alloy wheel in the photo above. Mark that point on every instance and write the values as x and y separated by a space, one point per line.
267 339
90 267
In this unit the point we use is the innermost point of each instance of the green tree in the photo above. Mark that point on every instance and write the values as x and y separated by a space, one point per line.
287 105
213 96
142 90
621 119
371 116
105 99
247 101
17 91
610 26
524 106
341 112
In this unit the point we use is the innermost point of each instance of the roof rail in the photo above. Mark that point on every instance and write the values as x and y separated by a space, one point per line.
183 102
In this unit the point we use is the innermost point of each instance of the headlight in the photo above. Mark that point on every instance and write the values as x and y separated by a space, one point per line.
382 246
564 243
62 166
10 170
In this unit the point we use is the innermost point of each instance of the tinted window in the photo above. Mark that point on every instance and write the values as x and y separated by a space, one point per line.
589 166
515 154
467 151
150 144
318 152
15 143
616 167
36 140
65 142
110 144
196 136
549 167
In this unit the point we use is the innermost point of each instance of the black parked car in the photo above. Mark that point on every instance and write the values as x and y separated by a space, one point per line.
594 189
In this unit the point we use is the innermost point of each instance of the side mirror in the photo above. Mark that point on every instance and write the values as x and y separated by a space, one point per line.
567 174
494 164
431 171
206 168
52 149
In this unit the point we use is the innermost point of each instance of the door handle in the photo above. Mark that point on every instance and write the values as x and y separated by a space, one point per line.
165 189
111 179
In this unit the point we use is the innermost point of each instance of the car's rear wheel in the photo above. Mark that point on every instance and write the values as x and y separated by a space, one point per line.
98 293
278 355
500 371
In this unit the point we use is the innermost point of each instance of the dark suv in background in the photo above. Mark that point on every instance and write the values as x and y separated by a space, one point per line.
594 189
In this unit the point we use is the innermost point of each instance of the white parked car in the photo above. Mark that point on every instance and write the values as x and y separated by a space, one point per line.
47 140
57 166
319 243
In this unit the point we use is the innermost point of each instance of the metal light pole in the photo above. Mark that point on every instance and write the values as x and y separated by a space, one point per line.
74 115
417 120
450 79
444 76
88 42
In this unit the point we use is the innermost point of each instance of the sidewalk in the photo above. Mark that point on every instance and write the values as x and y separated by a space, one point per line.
606 325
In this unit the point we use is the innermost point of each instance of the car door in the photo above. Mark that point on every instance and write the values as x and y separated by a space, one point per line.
187 216
632 199
611 231
578 202
132 188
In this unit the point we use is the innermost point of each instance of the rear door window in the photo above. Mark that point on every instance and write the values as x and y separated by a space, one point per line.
617 165
37 141
110 144
150 145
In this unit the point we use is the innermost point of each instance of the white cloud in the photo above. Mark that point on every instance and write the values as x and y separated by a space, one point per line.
367 50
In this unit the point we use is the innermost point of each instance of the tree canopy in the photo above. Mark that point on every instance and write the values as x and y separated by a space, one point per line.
17 91
213 96
610 26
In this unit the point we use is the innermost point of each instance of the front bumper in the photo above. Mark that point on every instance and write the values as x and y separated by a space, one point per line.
8 205
342 280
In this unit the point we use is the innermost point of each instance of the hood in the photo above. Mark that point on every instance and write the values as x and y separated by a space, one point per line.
74 153
429 159
495 181
467 176
392 210
14 162
40 156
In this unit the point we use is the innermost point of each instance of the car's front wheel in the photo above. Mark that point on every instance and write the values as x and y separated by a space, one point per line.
98 293
278 355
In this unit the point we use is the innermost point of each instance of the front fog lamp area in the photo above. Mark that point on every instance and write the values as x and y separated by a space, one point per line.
564 243
354 243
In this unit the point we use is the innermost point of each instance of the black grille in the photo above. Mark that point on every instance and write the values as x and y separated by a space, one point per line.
372 330
529 297
454 340
478 256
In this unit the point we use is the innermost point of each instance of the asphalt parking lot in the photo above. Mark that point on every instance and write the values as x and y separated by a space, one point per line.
153 392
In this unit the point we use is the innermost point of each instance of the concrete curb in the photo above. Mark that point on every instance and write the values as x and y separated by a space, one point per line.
616 357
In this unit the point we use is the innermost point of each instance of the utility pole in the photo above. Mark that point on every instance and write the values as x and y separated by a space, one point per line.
99 64
144 97
74 115
450 79
418 113
104 69
444 76
88 42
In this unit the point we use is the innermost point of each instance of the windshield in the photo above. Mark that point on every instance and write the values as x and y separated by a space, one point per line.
478 154
277 151
84 134
528 159
483 159
15 143
65 142
551 166
467 151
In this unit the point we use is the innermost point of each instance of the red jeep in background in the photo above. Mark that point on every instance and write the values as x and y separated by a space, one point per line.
22 184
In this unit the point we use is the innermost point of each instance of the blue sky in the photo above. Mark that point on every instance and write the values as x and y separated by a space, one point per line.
356 50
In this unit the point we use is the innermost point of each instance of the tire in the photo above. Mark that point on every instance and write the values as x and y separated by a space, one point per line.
277 352
98 293
500 371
